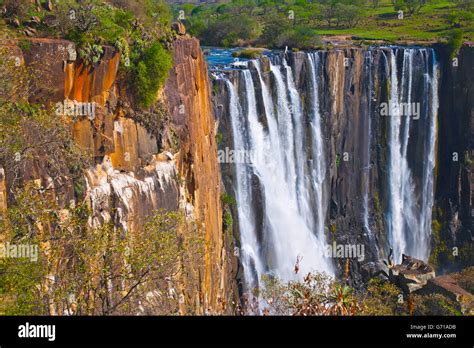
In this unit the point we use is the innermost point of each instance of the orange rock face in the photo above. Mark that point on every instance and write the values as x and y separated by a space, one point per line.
132 179
84 83
3 194
188 96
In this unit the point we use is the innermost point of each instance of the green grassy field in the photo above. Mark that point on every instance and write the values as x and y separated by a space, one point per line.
429 24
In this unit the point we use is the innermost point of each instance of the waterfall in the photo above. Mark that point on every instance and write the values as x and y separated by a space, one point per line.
368 62
431 83
249 246
278 160
409 218
282 191
318 173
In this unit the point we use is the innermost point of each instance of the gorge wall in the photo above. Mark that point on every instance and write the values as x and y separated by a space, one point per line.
167 163
188 94
455 179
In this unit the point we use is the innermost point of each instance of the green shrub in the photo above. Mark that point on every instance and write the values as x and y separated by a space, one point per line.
25 45
150 73
219 136
435 304
228 220
409 6
465 279
454 42
317 294
465 5
91 53
16 8
195 26
92 23
381 298
299 37
249 53
227 199
122 46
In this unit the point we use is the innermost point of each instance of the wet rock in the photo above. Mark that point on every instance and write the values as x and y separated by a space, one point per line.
131 196
165 156
188 89
130 183
455 180
371 269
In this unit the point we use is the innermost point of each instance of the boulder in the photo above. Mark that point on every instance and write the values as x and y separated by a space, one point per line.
30 31
34 20
50 21
412 274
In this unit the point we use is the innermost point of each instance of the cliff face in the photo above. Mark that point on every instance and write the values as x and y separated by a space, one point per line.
188 95
137 171
455 179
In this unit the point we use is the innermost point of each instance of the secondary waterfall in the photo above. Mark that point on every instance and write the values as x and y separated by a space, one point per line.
292 234
367 165
409 217
281 111
249 245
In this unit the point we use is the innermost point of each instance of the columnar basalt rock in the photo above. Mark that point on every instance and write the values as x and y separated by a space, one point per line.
132 178
188 95
455 178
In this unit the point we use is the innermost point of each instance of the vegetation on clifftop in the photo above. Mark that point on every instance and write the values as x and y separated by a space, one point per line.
150 73
140 30
296 23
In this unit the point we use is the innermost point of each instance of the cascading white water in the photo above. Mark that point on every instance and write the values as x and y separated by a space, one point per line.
431 83
285 125
299 155
279 162
250 253
409 220
318 173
